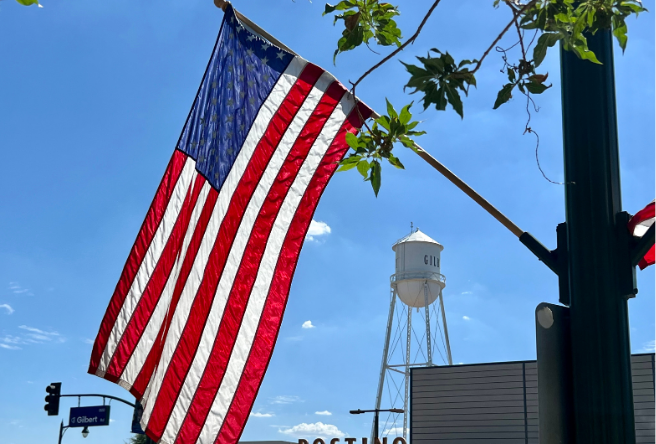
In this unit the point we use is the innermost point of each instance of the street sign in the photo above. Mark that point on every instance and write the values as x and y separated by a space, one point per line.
97 415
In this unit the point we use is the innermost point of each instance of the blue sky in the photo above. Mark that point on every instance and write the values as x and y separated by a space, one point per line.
93 96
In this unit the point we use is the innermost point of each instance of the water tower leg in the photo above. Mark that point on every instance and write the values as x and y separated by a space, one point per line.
446 330
407 374
383 365
429 348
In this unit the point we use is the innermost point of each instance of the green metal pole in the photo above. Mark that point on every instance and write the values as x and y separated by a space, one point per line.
601 368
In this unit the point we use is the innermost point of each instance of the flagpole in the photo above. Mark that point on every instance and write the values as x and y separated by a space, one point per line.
526 238
221 4
469 191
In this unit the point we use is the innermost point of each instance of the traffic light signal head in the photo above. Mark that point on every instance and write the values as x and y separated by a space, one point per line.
52 400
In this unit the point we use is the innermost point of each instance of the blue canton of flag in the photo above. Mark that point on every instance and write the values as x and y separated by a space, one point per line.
239 78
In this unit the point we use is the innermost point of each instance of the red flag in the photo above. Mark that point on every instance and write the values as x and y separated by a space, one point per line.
192 323
638 226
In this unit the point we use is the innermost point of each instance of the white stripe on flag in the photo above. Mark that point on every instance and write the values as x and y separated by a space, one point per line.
266 113
149 262
149 336
236 252
260 290
642 227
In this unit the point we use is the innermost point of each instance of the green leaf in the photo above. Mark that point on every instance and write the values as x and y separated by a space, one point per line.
375 176
350 162
28 2
390 110
536 88
384 122
405 115
395 161
341 6
586 54
363 168
454 100
546 40
352 140
619 31
347 167
504 95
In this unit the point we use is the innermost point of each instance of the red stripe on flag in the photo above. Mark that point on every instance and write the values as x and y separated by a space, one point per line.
153 291
643 216
647 260
150 364
139 249
248 270
187 345
646 213
267 332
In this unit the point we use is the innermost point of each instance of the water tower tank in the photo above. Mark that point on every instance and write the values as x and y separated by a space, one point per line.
418 265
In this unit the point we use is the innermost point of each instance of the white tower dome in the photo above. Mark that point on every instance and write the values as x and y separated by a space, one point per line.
417 280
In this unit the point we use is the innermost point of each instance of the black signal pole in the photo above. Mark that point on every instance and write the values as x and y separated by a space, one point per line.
375 412
599 271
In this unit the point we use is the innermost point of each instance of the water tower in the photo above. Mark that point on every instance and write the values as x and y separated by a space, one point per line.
416 334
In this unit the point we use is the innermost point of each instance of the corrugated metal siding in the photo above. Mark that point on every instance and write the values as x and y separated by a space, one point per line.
473 404
642 370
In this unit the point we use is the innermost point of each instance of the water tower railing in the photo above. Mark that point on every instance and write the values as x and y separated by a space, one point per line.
406 275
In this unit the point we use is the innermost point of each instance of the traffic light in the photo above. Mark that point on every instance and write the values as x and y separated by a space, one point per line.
52 400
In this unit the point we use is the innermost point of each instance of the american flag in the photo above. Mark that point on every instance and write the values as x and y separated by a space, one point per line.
191 326
638 226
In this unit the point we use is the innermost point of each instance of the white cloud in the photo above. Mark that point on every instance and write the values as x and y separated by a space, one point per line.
317 429
307 324
7 307
262 415
33 336
467 292
88 341
38 335
317 228
466 318
324 413
16 288
649 347
285 399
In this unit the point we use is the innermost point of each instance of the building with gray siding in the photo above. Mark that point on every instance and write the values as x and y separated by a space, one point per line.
482 403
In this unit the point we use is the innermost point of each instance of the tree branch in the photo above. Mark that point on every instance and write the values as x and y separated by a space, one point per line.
494 43
400 48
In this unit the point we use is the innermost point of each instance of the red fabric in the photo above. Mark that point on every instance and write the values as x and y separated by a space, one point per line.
155 286
150 364
184 354
248 270
641 216
268 329
144 238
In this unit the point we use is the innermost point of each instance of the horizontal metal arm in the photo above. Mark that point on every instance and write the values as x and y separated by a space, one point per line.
543 253
100 396
469 191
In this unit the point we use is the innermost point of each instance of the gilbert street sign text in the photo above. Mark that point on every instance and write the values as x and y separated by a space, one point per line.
97 415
